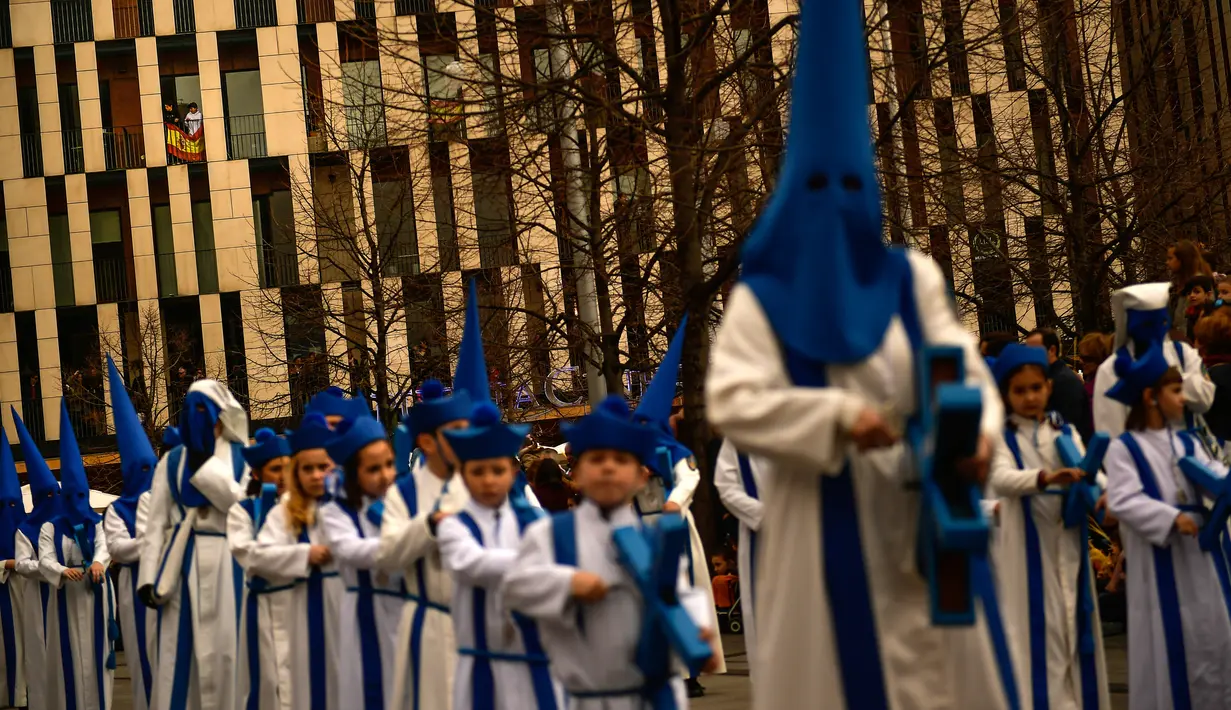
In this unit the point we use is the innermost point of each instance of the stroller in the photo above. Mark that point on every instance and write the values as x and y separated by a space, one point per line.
727 602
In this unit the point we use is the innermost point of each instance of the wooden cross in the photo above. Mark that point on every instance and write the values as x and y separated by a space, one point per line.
1081 498
1219 488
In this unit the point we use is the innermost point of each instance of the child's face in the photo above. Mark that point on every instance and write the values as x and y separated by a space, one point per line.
1198 296
274 470
374 466
1171 401
720 564
311 466
609 477
1224 291
1028 392
489 480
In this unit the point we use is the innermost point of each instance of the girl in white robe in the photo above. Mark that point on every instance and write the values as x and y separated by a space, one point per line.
73 557
1179 630
12 515
1042 565
739 479
291 549
264 672
372 605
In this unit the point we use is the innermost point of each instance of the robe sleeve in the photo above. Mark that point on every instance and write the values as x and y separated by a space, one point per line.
344 542
694 599
27 563
102 548
216 481
124 549
1218 467
1109 415
471 563
751 400
1007 480
52 570
1198 389
240 539
143 517
1152 519
730 483
536 586
403 539
156 525
686 478
276 553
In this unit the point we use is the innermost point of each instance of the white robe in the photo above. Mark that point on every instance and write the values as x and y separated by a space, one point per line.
35 595
92 680
12 585
1147 524
273 623
602 658
1110 415
730 483
211 658
125 550
483 565
353 553
282 558
407 543
801 431
1061 558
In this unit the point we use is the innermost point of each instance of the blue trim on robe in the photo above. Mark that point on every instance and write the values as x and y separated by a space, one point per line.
1034 587
66 642
10 643
369 639
143 654
1219 555
317 648
564 544
750 489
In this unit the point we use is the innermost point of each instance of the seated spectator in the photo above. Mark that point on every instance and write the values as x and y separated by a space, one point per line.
1093 349
1214 336
1200 294
992 343
1068 393
725 582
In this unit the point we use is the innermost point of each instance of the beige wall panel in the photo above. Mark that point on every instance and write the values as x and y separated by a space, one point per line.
236 269
23 288
49 369
146 272
164 18
454 296
211 335
186 271
31 24
463 205
83 283
104 22
10 379
265 348
44 286
335 343
108 332
10 157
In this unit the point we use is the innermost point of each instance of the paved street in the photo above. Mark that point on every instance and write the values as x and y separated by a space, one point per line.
732 691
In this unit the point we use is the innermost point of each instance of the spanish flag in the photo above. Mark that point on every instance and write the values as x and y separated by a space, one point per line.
185 146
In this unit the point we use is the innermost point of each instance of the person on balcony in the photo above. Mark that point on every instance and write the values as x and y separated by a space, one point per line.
193 119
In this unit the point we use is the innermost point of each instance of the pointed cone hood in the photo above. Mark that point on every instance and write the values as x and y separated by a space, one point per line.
12 508
74 486
137 457
655 404
817 248
44 490
471 372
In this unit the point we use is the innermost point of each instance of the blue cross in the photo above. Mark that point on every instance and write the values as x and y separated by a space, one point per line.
952 528
652 556
1081 498
1219 488
402 450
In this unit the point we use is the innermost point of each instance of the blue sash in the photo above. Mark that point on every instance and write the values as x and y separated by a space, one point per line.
143 653
10 643
410 494
1168 593
369 641
104 625
564 542
1219 555
257 507
750 489
317 649
66 643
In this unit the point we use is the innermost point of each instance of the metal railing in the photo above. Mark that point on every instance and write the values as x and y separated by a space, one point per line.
168 282
365 9
313 11
32 416
74 151
185 17
32 155
414 7
110 279
72 21
124 147
255 13
133 20
280 266
246 136
401 258
89 420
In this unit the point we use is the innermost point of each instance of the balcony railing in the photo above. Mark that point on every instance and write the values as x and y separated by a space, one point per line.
133 18
72 21
168 282
402 258
414 7
280 266
32 416
32 155
365 9
110 279
124 147
74 151
185 17
255 13
89 420
313 11
246 136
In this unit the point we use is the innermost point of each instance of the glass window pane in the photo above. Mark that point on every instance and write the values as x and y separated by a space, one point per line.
105 227
244 93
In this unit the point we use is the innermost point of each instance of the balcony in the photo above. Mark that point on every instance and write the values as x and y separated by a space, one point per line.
32 155
124 147
255 13
74 151
71 21
414 7
185 17
365 9
133 18
313 11
110 279
32 415
246 137
280 266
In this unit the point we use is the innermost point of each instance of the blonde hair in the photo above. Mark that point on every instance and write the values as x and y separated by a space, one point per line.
300 507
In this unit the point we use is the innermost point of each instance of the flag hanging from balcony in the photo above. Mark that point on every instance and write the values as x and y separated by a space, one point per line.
189 147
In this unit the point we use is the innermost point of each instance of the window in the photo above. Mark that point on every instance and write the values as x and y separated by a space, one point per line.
492 220
70 124
61 260
203 240
442 203
105 227
110 274
164 252
394 208
489 77
1014 55
6 276
245 115
362 94
444 95
955 48
277 262
1044 153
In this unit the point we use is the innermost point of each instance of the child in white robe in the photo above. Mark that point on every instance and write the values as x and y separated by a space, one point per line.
372 605
264 673
501 663
12 515
291 549
1042 565
568 579
1179 628
81 626
739 479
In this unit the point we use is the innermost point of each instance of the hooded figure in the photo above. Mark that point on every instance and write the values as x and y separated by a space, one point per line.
813 371
32 587
124 523
674 468
73 557
186 565
1142 322
12 514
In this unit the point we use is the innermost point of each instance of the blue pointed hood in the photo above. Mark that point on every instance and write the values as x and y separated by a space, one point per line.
74 486
45 498
471 372
12 508
816 258
137 457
